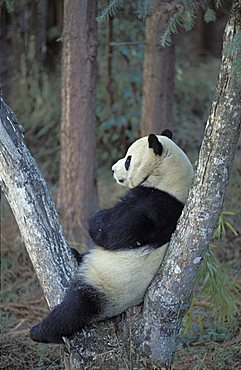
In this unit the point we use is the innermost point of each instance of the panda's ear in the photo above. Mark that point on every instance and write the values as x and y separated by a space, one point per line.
155 144
167 133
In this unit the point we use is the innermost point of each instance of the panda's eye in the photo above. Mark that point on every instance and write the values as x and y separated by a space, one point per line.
128 162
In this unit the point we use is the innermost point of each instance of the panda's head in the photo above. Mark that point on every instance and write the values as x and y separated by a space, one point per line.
156 161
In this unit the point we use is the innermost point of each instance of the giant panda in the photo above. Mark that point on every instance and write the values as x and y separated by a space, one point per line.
131 238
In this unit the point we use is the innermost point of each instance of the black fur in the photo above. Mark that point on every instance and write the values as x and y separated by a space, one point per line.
143 216
78 256
80 306
167 133
128 162
155 144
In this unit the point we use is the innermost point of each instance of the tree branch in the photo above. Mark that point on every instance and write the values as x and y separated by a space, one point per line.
34 211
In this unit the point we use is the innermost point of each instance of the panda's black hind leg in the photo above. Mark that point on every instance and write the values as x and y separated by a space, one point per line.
81 305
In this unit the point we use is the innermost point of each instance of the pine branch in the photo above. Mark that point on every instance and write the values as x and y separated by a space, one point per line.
143 8
209 15
110 10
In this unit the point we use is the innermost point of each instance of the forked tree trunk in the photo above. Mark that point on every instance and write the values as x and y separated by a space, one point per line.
77 198
158 74
147 338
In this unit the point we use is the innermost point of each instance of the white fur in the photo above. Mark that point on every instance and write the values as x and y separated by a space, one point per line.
122 276
171 172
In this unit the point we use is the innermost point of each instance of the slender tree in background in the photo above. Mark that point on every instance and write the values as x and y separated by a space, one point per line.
39 11
158 74
77 198
109 56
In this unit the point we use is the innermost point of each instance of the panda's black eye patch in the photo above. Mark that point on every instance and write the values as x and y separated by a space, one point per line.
128 162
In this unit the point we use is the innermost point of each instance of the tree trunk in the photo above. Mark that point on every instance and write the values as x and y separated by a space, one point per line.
158 75
77 198
133 339
170 293
39 9
34 211
109 56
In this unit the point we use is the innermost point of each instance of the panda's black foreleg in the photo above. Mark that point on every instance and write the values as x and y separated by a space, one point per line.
81 306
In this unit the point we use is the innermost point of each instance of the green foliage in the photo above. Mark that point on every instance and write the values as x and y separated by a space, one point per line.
9 5
38 105
184 15
224 224
110 10
216 290
209 15
143 8
188 19
218 287
173 23
119 94
193 94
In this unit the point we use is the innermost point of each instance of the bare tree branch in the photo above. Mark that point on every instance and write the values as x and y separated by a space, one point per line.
33 209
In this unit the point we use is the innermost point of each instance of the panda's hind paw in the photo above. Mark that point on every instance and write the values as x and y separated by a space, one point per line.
37 335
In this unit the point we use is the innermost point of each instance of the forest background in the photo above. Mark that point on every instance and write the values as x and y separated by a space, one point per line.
30 76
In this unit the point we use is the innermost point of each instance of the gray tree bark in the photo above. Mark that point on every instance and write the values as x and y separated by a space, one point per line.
34 211
148 337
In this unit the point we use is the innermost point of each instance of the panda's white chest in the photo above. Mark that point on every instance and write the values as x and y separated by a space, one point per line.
122 276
